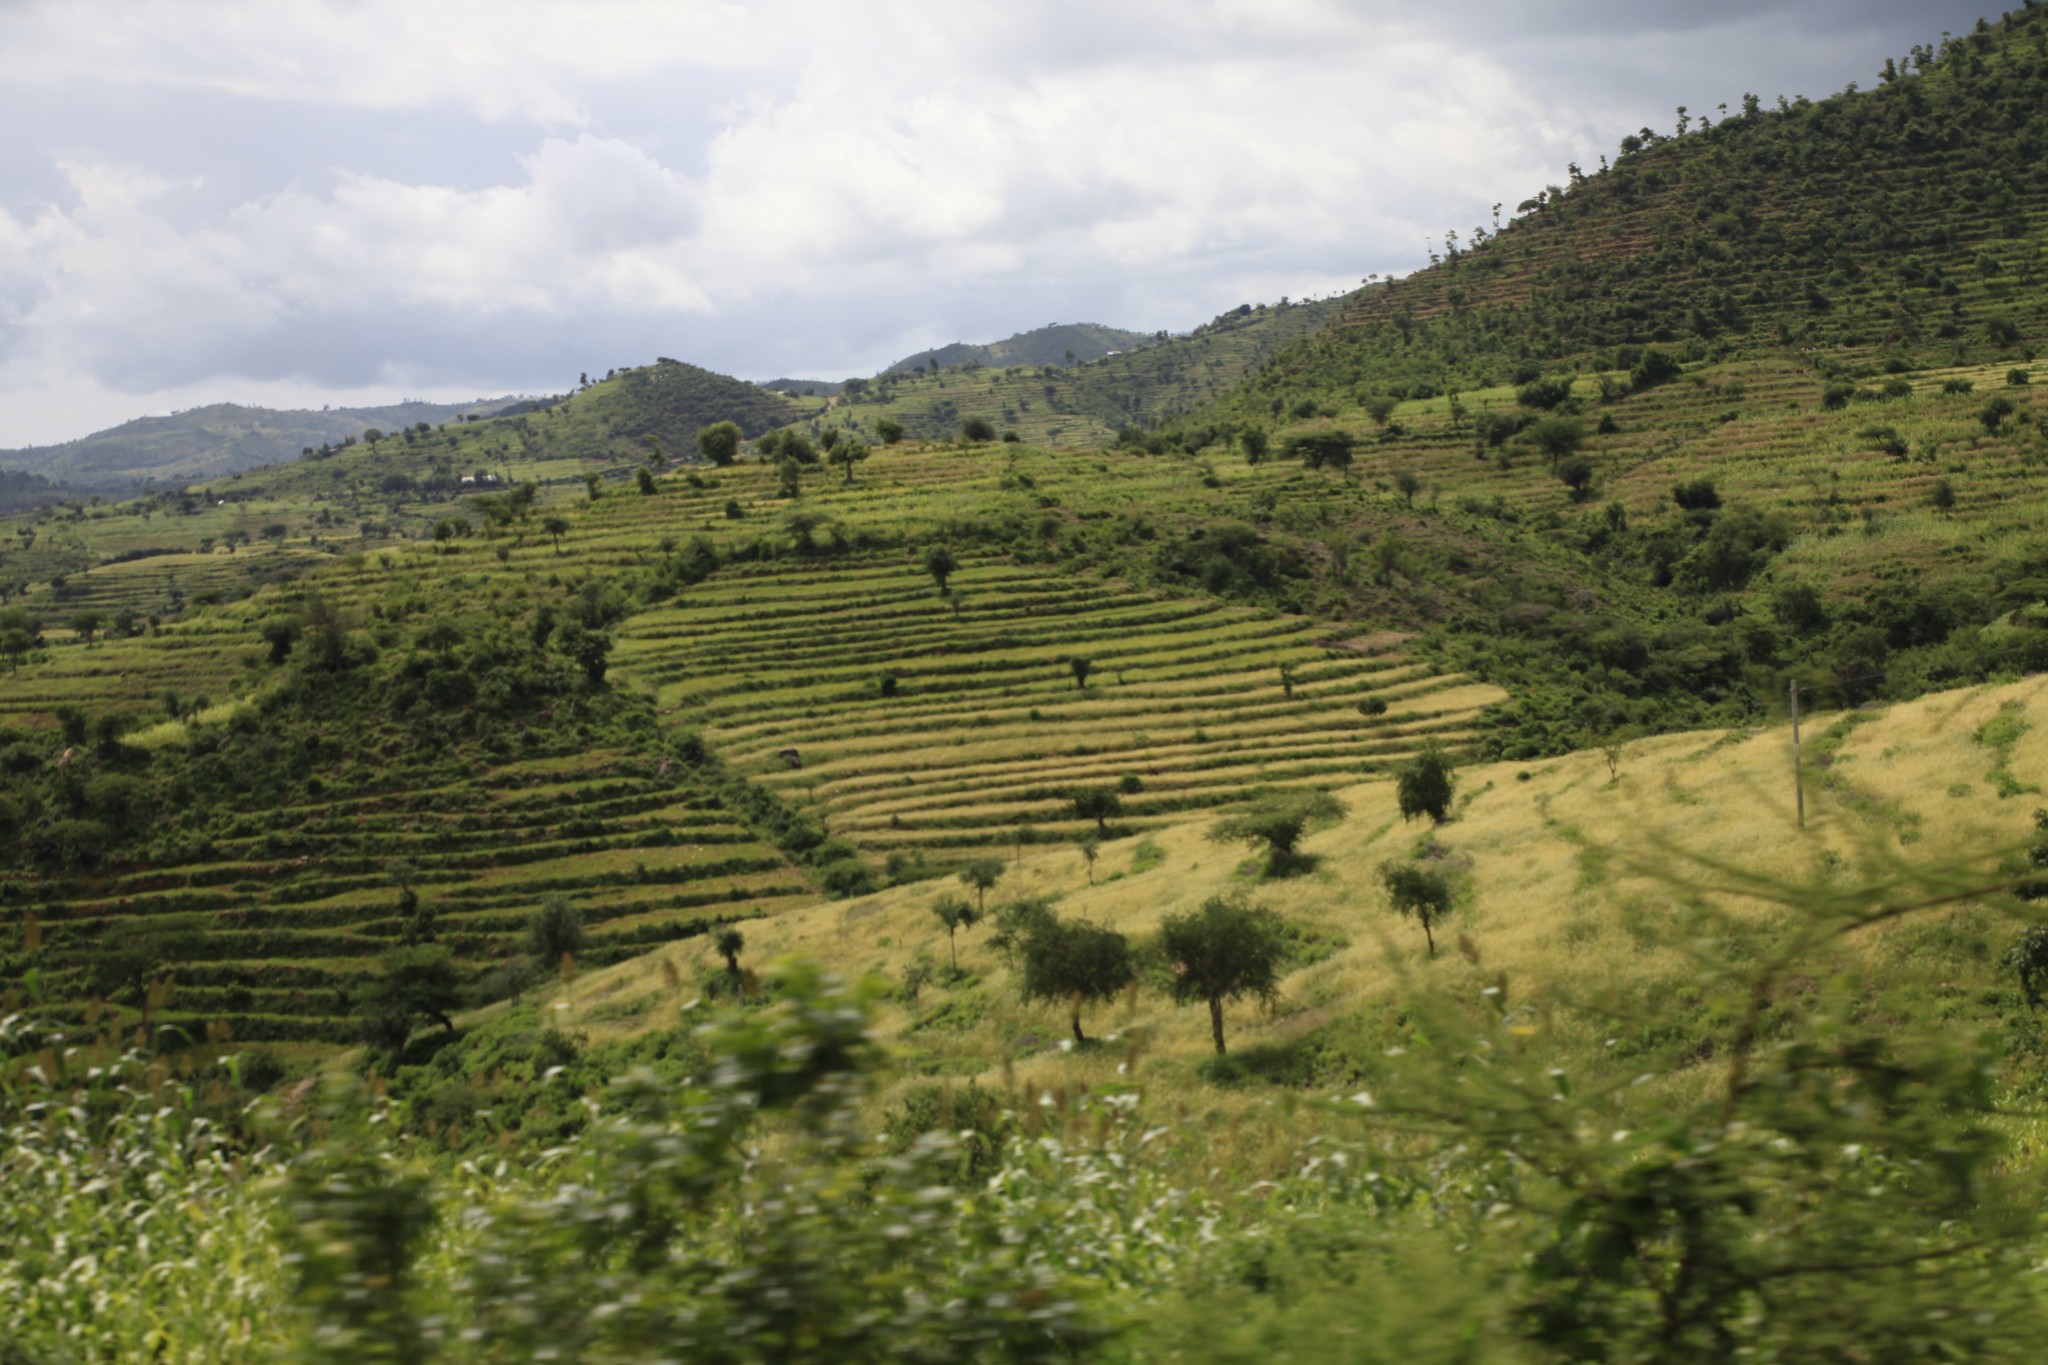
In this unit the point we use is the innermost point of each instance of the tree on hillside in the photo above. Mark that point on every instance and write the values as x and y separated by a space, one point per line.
888 431
411 985
728 945
1075 963
978 429
1576 474
940 564
1224 951
1379 407
1081 667
797 446
1098 804
84 624
1420 893
1423 785
789 477
1277 820
719 442
1408 483
1316 449
956 914
1254 441
848 453
981 874
556 528
1557 437
1090 845
554 933
645 480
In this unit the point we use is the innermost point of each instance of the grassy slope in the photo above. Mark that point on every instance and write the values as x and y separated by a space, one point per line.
1085 404
1560 855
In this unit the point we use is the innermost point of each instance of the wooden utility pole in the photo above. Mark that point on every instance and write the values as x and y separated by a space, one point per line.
1798 770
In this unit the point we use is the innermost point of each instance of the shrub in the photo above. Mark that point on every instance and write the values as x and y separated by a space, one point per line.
1278 820
1419 893
1423 785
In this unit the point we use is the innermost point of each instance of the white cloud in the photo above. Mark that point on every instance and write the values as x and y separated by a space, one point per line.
802 184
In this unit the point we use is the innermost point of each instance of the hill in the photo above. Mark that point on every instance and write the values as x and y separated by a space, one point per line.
219 439
1899 225
1059 343
1085 402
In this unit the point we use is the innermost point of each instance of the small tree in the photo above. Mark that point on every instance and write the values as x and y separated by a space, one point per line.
978 429
1424 784
847 454
1255 442
1419 893
1942 497
84 624
719 442
728 945
1017 921
1224 951
1097 804
1408 483
645 477
1076 963
940 564
789 476
981 874
411 985
1319 448
556 528
1557 437
888 431
1576 473
2028 960
1081 666
956 914
554 933
1091 849
1278 820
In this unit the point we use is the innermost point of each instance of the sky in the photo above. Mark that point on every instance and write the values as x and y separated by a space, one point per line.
292 204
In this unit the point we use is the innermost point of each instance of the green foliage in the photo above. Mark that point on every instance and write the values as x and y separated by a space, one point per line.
1075 963
554 933
956 914
1224 951
1423 785
1100 804
981 874
1277 819
1423 894
412 986
1317 449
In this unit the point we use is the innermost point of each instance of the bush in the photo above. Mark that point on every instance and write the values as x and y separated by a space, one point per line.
1423 785
978 429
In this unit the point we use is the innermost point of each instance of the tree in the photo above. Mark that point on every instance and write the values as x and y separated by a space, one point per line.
280 634
2027 960
1419 893
1278 820
1098 804
1318 448
1995 412
1408 483
1942 497
554 933
1423 785
888 431
1254 441
1557 437
411 985
1091 848
728 945
556 528
1379 407
940 564
1224 951
1081 666
847 454
84 624
1576 474
719 442
978 429
956 914
981 874
645 478
789 476
1076 963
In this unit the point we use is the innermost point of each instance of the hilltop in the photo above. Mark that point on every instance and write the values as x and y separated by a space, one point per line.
221 438
1059 343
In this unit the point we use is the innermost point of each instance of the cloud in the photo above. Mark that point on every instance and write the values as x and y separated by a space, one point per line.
504 194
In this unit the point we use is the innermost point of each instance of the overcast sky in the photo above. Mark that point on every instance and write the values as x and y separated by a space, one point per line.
299 203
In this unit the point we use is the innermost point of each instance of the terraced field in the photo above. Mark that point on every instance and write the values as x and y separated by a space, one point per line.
271 924
916 727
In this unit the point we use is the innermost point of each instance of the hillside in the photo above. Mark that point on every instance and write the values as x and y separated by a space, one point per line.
1901 224
1060 343
1086 402
221 438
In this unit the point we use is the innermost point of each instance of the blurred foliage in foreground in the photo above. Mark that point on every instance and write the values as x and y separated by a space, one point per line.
1791 1176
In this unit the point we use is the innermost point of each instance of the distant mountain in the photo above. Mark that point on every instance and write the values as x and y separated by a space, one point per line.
805 388
1062 343
222 438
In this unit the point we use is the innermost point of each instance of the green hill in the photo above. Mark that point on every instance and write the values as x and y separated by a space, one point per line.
1061 343
221 438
